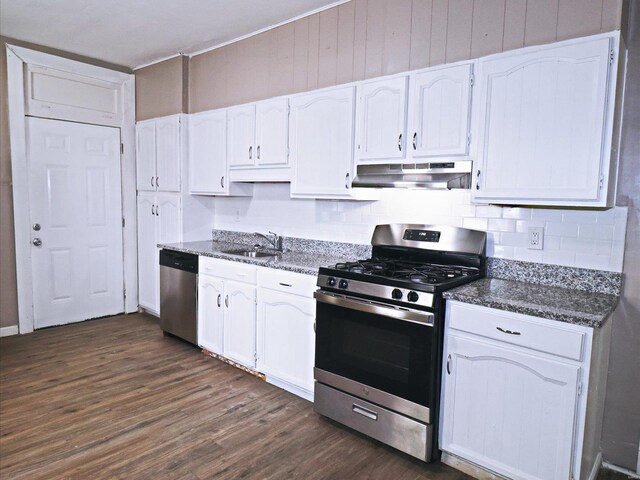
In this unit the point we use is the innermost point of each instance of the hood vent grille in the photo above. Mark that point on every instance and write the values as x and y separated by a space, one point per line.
435 175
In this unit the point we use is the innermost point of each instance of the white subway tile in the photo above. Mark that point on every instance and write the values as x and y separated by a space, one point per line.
513 239
488 211
579 216
522 226
503 251
578 245
502 225
603 247
558 257
546 214
516 213
596 231
597 262
561 229
475 223
551 243
527 255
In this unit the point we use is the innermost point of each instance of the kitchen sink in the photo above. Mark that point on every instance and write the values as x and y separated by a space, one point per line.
250 253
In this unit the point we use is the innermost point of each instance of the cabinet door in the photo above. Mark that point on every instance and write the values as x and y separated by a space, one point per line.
543 116
168 154
381 119
272 133
147 253
509 411
146 156
440 106
241 127
210 313
208 152
240 322
321 142
169 218
285 339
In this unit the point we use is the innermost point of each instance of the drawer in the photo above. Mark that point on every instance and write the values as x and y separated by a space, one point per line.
287 282
240 272
517 329
401 432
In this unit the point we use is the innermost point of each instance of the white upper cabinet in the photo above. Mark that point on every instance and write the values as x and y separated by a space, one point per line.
158 154
545 119
381 120
321 139
439 111
208 152
241 125
272 133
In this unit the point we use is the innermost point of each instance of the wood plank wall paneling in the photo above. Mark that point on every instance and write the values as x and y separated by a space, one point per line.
159 89
364 39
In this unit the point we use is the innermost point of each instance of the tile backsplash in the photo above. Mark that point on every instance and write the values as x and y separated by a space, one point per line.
575 238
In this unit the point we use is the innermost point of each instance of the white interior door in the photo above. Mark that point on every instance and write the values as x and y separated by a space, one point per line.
75 200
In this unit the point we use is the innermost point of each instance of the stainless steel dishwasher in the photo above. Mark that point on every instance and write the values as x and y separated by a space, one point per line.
179 294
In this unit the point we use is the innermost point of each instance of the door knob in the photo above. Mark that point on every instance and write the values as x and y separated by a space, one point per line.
36 227
37 242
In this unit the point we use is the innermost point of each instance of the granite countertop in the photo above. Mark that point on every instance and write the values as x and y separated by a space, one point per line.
298 262
554 303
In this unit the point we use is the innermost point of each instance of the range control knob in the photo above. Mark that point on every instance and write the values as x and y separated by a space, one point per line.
412 297
343 284
331 281
396 293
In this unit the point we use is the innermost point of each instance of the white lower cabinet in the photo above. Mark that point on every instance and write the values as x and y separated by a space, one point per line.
513 400
286 338
227 309
159 221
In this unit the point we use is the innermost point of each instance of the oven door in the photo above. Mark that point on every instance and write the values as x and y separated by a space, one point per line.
377 352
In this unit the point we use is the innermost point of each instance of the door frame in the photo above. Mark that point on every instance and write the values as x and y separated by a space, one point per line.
17 57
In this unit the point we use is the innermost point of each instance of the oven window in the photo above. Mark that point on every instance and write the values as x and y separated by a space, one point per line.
384 353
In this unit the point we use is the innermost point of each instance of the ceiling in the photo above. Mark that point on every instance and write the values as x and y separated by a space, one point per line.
133 33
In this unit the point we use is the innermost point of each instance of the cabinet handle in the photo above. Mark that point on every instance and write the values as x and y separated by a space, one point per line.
219 299
285 284
258 152
152 182
400 142
250 153
478 180
364 412
157 210
157 182
226 301
153 210
509 332
415 140
222 181
346 181
449 364
314 327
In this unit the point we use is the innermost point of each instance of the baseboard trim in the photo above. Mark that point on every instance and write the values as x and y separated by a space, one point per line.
8 331
469 468
596 467
615 468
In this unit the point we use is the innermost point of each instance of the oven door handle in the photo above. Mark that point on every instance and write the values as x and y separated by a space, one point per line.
413 316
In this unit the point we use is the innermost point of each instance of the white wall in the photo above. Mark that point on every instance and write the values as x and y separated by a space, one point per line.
576 238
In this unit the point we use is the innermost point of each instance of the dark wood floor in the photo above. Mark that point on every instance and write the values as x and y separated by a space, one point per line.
115 399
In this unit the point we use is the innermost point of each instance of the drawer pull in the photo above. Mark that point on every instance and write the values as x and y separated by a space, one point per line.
365 412
285 284
219 297
509 332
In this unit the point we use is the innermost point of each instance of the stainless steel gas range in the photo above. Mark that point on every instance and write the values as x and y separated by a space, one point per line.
379 332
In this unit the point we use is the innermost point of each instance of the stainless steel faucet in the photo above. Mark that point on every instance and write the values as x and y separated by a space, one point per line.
275 241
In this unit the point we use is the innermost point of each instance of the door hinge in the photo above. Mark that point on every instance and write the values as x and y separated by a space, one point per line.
612 56
579 388
122 149
601 182
469 138
124 292
473 79
122 222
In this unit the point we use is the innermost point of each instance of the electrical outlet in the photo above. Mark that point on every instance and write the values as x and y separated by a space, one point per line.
536 238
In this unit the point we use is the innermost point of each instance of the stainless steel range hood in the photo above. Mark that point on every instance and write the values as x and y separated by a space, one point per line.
434 175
